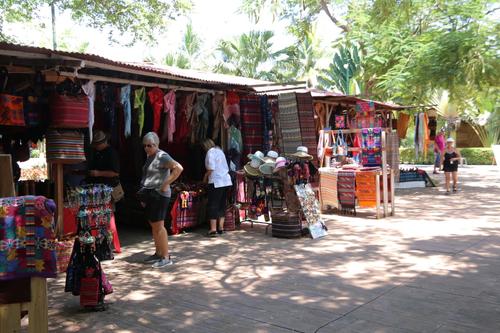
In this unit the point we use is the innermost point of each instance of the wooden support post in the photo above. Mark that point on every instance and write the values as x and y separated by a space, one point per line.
385 194
393 204
38 307
59 184
377 195
10 318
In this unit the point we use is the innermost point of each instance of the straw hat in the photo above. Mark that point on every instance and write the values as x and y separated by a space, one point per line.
257 155
271 157
302 152
251 171
267 168
255 163
98 137
280 163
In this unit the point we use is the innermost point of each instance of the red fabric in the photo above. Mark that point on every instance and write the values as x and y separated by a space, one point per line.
69 111
156 100
11 110
69 221
232 98
116 240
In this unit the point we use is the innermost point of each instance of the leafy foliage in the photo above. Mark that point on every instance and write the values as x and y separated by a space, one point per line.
342 71
189 52
140 19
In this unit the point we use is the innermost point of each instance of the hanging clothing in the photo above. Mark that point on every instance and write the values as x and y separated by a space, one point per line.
127 109
267 118
235 139
182 120
89 90
156 99
218 114
200 118
403 122
139 101
169 109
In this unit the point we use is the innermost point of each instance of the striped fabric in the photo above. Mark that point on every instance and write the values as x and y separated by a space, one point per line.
366 189
65 146
289 123
251 124
328 187
346 187
307 124
393 153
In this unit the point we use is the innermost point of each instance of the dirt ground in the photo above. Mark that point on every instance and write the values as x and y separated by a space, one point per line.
433 267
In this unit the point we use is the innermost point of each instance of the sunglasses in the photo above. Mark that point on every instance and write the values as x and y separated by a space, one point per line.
148 146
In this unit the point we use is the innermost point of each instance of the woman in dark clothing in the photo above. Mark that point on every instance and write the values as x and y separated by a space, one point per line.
450 159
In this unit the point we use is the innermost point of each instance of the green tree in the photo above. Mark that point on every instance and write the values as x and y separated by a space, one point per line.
138 19
189 54
248 55
344 71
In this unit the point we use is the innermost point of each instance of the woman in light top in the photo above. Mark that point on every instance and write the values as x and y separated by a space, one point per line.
219 180
450 159
159 171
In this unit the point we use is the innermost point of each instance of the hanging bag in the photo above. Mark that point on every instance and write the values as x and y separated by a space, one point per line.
11 106
65 146
341 144
34 115
69 107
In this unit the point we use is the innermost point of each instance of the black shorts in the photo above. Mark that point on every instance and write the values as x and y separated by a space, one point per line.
156 206
216 206
450 167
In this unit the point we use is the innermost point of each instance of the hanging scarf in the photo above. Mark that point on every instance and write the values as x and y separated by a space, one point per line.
139 100
156 99
169 124
89 90
127 112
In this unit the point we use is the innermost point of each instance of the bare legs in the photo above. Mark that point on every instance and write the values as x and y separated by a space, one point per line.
455 180
214 222
160 237
449 177
447 181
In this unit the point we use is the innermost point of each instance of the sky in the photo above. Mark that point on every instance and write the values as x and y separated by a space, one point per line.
211 20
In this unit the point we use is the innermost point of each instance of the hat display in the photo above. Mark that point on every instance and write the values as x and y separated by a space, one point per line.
280 163
257 155
251 171
302 152
98 137
272 154
255 163
267 168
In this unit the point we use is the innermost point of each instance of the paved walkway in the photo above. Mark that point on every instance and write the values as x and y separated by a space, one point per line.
434 267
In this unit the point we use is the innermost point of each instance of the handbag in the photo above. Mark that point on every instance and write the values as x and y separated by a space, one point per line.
69 111
117 193
11 106
65 146
341 145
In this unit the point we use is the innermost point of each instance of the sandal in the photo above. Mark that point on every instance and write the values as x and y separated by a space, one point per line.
212 234
220 232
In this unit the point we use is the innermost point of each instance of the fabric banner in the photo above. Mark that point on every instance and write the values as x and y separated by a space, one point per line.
328 187
289 123
307 125
393 153
366 190
371 153
251 124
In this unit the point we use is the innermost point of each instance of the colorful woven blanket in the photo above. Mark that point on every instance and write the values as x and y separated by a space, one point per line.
307 125
366 189
328 187
27 237
289 123
346 187
371 153
251 124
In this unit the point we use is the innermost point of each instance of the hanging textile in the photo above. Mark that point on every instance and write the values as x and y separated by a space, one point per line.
320 116
276 141
307 126
371 153
127 109
432 125
346 187
232 106
403 122
267 118
392 148
218 115
182 120
416 138
89 90
235 139
169 124
139 101
328 187
251 124
27 237
108 98
366 189
289 123
200 118
156 99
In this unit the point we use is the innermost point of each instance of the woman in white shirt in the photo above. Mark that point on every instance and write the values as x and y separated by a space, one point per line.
219 180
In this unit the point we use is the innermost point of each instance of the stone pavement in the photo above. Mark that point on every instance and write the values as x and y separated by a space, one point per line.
434 267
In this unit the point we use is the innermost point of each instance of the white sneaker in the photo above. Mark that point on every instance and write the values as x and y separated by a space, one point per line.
162 263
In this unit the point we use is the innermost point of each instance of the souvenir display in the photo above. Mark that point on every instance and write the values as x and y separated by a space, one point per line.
311 210
371 154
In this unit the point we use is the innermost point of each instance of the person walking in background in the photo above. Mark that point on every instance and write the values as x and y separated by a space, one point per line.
439 145
450 159
219 180
159 171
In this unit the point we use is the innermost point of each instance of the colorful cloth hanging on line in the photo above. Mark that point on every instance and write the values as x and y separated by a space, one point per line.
127 109
371 151
366 189
289 123
139 101
156 99
251 124
267 118
403 122
365 107
346 187
328 187
169 110
307 126
27 237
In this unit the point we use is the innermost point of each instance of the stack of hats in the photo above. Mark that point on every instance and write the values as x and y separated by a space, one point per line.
267 165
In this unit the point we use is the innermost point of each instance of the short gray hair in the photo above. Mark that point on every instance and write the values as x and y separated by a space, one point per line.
151 137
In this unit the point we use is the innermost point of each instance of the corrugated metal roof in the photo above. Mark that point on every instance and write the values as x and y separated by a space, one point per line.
204 77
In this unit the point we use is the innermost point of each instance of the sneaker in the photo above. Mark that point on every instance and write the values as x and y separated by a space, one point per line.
152 258
162 263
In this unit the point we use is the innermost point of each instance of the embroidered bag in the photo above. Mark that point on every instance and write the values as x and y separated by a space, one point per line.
65 146
11 106
69 111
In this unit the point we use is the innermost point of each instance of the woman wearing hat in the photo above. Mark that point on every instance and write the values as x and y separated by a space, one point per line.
451 157
219 180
